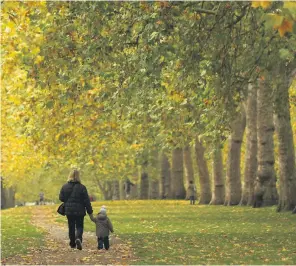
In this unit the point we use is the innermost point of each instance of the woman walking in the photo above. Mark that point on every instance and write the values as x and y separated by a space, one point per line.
76 200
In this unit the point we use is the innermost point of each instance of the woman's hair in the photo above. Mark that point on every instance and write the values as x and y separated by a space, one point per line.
74 176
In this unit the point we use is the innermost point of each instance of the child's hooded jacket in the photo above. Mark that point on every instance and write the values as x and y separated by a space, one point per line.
103 224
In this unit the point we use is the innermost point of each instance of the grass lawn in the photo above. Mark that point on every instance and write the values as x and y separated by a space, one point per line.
174 232
17 234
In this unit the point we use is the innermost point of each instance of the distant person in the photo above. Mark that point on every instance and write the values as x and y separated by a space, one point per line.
41 198
103 227
294 211
76 200
191 191
127 188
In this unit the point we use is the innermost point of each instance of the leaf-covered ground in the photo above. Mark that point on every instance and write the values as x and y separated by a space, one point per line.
17 233
54 248
173 232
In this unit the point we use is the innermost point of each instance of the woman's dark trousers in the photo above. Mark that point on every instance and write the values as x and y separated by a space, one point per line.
105 241
75 222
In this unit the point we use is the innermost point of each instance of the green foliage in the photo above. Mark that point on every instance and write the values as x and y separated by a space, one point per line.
18 235
101 85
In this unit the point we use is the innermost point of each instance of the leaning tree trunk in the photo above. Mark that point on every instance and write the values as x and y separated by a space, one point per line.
144 188
251 147
178 188
116 192
265 129
218 196
233 177
188 165
204 177
165 178
287 197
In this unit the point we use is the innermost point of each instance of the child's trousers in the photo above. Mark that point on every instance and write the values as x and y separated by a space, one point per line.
103 240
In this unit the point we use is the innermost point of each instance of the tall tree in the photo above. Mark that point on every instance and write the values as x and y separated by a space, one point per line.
250 170
287 174
218 195
144 186
116 190
178 189
204 177
189 172
233 176
165 179
265 130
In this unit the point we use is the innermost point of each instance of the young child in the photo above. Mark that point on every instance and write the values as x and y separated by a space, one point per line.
103 227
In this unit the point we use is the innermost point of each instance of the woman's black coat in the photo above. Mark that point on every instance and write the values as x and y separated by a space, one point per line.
78 201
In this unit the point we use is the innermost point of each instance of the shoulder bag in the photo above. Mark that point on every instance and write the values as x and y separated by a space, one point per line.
61 209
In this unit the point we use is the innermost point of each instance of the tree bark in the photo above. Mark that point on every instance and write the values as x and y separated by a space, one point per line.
188 165
266 181
165 178
204 177
154 189
233 177
122 190
178 188
106 189
218 196
144 188
282 118
116 192
251 147
7 197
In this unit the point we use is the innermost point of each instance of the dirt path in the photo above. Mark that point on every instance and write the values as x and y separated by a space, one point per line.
57 251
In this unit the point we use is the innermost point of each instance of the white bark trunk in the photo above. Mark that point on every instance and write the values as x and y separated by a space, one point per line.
265 130
251 147
233 176
204 177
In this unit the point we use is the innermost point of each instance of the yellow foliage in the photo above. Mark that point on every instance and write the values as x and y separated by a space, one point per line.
263 4
289 5
39 59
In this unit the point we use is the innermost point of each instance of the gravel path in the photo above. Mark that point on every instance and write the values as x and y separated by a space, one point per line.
57 251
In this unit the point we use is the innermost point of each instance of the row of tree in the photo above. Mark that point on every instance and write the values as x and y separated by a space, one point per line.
111 87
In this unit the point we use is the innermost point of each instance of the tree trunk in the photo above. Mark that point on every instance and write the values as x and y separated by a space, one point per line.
106 189
265 129
233 177
218 196
251 147
165 178
154 189
122 190
188 165
144 188
287 197
116 192
7 197
177 174
204 178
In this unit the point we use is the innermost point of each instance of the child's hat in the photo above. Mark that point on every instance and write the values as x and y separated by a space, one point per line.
103 210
